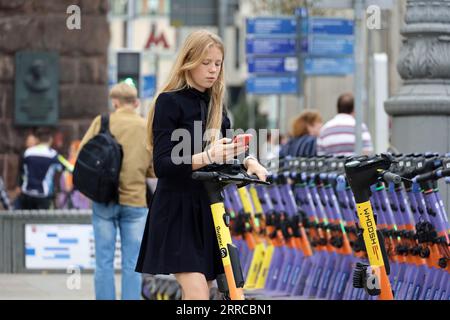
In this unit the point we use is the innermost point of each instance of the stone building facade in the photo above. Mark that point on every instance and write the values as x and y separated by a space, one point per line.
40 25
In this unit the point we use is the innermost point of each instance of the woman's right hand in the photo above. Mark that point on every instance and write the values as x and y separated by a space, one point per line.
225 150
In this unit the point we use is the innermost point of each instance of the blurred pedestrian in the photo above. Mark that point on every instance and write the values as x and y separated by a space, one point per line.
69 197
337 136
305 130
129 214
30 141
4 198
40 163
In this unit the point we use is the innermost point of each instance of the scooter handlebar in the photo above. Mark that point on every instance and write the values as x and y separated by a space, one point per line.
445 173
255 179
391 177
433 175
245 178
241 177
426 176
204 176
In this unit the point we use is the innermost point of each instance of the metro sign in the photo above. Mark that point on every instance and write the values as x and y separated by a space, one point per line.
156 40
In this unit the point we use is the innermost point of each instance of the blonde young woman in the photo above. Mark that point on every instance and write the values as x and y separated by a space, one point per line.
179 236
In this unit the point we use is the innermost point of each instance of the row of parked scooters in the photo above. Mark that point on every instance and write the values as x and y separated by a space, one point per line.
302 237
339 228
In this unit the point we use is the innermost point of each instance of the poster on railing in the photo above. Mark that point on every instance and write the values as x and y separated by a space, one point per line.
62 246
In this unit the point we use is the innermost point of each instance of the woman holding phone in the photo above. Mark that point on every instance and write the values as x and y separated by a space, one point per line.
179 236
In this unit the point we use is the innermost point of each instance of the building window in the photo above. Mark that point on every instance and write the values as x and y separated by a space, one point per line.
152 7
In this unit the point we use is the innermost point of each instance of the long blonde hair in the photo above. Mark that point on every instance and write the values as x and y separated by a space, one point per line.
190 56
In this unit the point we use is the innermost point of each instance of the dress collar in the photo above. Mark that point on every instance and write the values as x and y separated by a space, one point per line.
205 96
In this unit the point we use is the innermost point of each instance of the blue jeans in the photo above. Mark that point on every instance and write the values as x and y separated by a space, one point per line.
131 222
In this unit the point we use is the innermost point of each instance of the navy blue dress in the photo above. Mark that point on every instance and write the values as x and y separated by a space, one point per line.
179 234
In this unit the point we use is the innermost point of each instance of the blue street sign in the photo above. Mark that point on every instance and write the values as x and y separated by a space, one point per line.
330 46
301 11
272 64
267 46
317 66
272 85
331 26
149 86
272 47
272 26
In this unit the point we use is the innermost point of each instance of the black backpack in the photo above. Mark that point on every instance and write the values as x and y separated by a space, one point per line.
97 170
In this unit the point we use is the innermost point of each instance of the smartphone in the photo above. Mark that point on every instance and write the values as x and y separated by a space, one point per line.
245 137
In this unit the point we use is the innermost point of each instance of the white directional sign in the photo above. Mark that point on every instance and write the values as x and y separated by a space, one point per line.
60 246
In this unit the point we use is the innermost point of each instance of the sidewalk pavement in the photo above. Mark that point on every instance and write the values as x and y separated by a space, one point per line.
49 286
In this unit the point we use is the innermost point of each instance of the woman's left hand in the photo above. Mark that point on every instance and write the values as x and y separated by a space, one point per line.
254 167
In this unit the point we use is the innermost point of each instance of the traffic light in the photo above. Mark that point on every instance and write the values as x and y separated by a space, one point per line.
129 68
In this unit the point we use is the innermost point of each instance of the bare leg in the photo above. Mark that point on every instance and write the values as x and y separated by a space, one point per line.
193 286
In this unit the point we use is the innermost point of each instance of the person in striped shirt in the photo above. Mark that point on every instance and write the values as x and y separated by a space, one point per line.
305 129
337 136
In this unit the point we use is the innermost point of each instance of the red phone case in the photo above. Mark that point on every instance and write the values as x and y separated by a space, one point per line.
246 137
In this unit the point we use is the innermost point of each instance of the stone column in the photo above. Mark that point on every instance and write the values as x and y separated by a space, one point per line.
420 110
83 89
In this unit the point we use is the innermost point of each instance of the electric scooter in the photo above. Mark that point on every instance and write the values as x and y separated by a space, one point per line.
215 178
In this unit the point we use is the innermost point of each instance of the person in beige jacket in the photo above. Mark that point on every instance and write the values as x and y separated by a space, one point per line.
129 215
